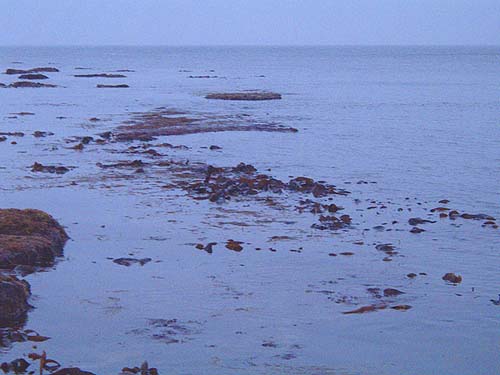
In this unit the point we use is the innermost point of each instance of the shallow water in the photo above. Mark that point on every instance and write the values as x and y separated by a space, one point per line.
420 122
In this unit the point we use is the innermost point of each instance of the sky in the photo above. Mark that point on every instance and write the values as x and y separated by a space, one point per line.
250 22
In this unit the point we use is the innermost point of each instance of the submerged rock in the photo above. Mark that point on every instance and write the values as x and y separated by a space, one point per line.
100 75
244 96
27 84
127 262
122 86
34 70
37 167
33 76
72 371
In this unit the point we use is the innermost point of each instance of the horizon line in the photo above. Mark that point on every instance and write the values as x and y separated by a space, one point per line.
245 45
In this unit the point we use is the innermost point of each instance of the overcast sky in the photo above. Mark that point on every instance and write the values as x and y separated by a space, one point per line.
255 22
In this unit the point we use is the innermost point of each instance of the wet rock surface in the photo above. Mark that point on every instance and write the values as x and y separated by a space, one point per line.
250 96
121 86
14 295
29 237
167 122
29 84
100 75
33 76
34 70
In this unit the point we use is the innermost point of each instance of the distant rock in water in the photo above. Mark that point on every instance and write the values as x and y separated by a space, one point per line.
100 75
34 70
27 84
122 86
245 96
33 76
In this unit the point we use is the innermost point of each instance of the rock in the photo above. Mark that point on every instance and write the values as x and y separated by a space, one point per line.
29 237
40 134
477 217
34 70
390 292
234 245
27 84
17 366
127 262
417 221
72 371
401 307
452 278
14 294
122 86
244 96
33 76
37 167
417 230
365 309
100 75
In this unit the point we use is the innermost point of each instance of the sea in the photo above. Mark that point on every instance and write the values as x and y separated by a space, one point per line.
400 127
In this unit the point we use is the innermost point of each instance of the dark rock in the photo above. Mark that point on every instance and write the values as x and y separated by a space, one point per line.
234 245
29 237
390 292
27 84
401 307
17 366
72 371
477 217
14 294
40 134
37 167
417 221
34 70
452 278
417 230
127 262
122 86
33 76
100 75
244 96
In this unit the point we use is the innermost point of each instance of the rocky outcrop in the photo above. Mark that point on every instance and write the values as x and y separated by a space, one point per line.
29 237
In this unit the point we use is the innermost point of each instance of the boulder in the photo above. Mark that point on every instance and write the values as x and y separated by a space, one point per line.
29 237
14 294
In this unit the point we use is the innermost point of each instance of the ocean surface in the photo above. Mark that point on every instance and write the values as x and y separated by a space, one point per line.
399 127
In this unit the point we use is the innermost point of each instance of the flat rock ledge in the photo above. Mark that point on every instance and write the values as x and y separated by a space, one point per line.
27 238
255 95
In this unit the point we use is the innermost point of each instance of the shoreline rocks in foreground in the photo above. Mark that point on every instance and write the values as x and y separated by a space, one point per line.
250 96
27 238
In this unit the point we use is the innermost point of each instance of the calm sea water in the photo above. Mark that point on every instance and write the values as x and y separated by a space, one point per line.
423 122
